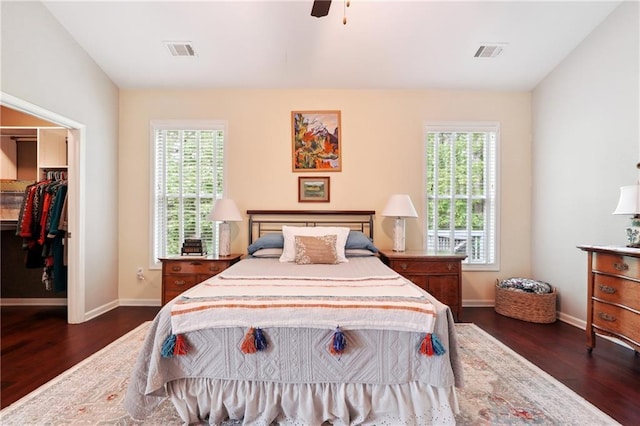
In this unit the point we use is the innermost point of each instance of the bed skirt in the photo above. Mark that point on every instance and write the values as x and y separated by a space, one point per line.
266 403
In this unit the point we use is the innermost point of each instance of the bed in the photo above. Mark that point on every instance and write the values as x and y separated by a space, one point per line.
331 337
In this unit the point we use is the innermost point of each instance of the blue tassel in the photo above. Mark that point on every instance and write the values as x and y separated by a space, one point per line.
260 339
168 346
438 347
338 343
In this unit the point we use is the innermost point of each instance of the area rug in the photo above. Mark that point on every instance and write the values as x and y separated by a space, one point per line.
502 388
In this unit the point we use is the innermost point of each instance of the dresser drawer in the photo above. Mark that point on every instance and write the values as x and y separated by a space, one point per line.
617 290
194 267
415 266
616 264
617 320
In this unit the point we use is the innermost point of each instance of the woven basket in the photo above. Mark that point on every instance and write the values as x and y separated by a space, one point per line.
531 307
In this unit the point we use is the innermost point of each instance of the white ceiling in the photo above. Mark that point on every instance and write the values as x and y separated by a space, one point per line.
277 44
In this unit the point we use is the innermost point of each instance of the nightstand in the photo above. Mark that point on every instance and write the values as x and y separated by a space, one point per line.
438 273
180 273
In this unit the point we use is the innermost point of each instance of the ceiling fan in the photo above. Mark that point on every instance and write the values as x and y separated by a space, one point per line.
320 8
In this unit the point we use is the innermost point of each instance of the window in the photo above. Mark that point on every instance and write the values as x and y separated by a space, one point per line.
187 176
461 191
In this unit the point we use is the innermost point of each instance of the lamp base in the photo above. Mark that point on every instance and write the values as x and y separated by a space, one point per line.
633 232
224 240
398 234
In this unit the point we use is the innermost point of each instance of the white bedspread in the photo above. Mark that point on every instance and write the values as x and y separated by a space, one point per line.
361 294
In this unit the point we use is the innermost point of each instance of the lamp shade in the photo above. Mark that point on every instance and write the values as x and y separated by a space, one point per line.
399 205
629 202
225 209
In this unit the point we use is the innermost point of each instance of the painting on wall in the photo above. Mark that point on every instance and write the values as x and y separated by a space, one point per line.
316 141
313 189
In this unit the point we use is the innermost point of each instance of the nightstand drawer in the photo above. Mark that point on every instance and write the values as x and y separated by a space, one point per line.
617 290
194 267
403 266
616 265
180 282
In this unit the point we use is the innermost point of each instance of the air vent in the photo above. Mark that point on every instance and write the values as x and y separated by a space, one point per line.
180 48
489 50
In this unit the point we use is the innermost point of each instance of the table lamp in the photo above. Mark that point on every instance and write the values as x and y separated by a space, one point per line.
629 203
225 211
400 207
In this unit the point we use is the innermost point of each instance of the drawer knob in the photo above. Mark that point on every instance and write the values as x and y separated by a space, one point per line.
179 282
214 268
621 266
176 268
404 266
607 289
606 317
450 266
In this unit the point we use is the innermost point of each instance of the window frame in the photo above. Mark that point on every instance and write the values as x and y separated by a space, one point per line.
467 127
155 125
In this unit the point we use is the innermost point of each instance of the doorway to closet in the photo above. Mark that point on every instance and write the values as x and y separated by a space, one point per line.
71 134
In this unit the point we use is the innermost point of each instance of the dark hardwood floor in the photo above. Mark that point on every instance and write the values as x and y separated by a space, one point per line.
37 344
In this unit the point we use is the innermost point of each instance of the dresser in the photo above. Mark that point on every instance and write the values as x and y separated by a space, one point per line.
439 274
180 273
613 304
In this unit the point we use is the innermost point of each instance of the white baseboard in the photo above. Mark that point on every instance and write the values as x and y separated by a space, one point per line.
33 301
100 310
140 302
478 303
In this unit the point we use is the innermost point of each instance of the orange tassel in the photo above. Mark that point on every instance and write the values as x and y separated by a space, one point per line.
426 348
248 345
181 347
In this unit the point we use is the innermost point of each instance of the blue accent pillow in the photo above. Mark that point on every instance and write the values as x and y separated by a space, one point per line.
358 240
266 241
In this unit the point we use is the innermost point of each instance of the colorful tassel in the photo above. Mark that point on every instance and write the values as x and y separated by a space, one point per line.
248 345
174 345
426 348
181 346
168 346
338 343
260 340
431 345
438 347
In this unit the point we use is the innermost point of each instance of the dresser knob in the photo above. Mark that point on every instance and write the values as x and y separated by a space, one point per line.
179 282
607 289
621 266
214 268
606 317
450 266
176 268
404 266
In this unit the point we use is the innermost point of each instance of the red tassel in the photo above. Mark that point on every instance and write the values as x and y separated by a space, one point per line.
426 348
248 345
181 347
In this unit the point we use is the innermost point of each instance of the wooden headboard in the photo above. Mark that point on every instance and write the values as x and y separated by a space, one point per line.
267 221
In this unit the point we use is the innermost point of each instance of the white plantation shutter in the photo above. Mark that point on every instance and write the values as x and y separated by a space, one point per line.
461 191
188 175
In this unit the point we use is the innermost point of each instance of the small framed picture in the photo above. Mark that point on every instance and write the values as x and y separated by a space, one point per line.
313 189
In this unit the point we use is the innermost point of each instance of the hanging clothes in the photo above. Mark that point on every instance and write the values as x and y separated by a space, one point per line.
42 225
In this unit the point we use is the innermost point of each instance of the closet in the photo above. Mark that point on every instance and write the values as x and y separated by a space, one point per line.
34 151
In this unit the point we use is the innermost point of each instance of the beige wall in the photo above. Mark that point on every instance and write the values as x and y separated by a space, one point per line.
382 134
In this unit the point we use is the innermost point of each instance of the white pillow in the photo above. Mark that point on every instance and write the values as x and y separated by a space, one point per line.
290 232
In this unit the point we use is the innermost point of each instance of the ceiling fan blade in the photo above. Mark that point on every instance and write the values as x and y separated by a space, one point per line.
320 8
